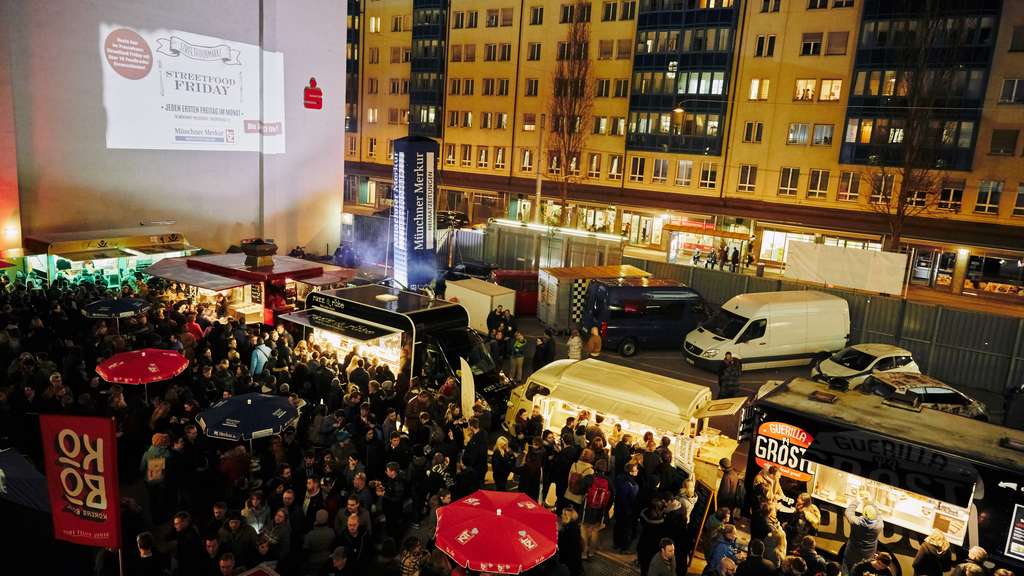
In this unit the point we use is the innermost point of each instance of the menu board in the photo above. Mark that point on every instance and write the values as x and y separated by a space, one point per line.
705 503
1015 535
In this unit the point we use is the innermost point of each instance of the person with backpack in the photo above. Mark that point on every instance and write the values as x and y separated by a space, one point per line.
154 467
581 473
595 507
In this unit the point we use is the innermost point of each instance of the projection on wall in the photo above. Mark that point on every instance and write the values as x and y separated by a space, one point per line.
173 90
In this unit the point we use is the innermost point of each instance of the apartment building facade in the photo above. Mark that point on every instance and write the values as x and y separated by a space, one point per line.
752 124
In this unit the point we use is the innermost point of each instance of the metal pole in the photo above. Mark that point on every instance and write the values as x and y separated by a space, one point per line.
120 561
260 220
537 162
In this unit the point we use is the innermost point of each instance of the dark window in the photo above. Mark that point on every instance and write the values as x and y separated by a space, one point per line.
1017 40
754 331
536 15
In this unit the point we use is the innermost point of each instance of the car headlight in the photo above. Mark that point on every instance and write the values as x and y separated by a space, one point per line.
709 353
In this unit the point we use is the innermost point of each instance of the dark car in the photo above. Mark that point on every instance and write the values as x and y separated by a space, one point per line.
634 313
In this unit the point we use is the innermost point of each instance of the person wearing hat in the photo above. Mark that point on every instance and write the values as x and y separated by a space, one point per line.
317 543
154 468
336 564
730 488
239 538
865 528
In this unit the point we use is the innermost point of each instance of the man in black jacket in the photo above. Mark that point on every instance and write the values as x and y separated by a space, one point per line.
190 548
475 453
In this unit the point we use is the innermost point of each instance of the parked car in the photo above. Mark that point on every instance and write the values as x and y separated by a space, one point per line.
852 365
771 329
925 391
635 313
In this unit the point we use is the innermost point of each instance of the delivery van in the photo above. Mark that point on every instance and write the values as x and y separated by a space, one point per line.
642 313
771 329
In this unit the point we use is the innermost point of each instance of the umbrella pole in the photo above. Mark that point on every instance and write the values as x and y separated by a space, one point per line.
117 325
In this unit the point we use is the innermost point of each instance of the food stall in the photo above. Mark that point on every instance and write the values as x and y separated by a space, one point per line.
344 334
562 291
668 407
256 292
921 469
107 257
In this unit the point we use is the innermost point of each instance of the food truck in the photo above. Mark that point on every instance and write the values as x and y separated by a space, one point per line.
922 469
408 331
650 402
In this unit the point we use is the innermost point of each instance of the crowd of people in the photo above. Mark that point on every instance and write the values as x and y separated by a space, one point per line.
354 486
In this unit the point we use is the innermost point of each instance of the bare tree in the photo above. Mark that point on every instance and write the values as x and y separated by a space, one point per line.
907 161
571 104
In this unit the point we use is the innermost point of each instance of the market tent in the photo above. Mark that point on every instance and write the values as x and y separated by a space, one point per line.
177 270
658 401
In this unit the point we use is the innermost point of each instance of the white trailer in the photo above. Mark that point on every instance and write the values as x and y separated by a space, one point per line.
479 298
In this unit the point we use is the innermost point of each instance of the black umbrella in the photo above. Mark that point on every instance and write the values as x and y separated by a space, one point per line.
115 308
247 417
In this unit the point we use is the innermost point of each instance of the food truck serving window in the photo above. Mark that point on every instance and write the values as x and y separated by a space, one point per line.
911 486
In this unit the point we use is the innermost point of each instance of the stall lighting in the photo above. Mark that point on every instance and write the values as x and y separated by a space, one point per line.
566 231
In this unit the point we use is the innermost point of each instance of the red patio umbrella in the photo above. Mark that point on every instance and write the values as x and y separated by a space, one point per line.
142 366
500 532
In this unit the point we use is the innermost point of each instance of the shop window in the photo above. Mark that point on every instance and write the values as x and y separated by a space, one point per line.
989 192
788 180
748 178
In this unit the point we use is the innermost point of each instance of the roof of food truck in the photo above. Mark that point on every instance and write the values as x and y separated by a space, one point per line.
481 286
625 393
941 431
643 282
759 299
595 271
387 298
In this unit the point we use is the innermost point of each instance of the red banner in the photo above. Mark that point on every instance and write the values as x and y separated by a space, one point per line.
81 477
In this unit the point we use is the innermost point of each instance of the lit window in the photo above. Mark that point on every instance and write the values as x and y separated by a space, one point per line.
684 172
759 88
797 133
805 90
831 90
822 135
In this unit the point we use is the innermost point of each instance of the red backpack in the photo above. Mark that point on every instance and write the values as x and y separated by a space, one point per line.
599 495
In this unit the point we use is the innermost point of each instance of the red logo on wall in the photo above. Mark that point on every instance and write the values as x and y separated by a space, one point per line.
313 96
783 445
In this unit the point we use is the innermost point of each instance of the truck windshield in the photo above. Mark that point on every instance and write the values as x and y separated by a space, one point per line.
468 344
853 359
725 324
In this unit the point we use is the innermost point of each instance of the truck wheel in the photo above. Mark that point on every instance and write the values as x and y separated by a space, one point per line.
628 347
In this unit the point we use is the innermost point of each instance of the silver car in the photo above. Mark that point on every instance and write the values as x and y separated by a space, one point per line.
926 392
849 367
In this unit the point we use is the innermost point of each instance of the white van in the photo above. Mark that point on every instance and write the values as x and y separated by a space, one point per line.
771 329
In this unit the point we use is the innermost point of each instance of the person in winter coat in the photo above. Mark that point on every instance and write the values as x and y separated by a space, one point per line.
755 564
775 546
518 356
652 530
626 490
575 345
729 376
730 488
865 528
154 466
725 546
581 474
815 562
503 461
974 565
238 538
596 503
570 542
933 557
593 345
664 562
805 520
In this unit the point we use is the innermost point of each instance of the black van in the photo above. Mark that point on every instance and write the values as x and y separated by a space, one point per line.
633 313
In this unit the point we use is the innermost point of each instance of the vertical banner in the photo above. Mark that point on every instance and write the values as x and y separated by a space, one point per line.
81 475
414 222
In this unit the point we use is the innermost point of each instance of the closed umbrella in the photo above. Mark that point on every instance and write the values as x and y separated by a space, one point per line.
498 532
247 417
115 308
142 367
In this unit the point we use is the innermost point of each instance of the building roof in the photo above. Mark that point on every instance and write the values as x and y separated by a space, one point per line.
481 286
595 271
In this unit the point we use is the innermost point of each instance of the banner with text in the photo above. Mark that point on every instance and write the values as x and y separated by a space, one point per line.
414 221
174 90
81 475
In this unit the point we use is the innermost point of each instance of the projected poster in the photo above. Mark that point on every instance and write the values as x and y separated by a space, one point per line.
174 90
